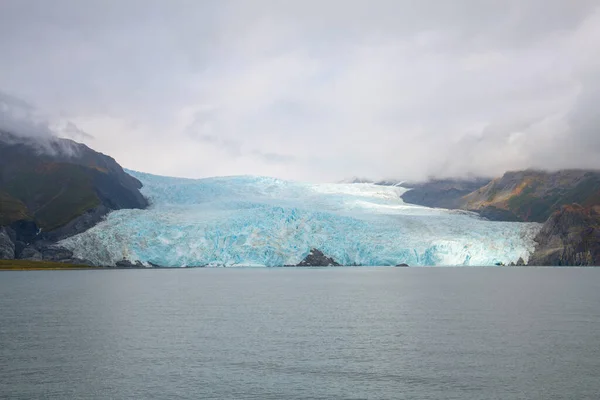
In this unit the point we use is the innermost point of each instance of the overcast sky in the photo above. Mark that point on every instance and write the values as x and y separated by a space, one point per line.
309 90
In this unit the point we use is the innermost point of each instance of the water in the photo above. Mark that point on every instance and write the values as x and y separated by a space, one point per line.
344 333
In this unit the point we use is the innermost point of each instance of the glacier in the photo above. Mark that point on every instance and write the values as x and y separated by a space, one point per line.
262 221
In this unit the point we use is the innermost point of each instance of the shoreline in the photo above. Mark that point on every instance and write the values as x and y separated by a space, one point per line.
30 265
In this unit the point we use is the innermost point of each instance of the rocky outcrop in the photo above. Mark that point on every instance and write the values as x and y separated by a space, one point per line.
520 263
128 264
570 237
316 258
30 253
25 231
55 253
78 225
7 246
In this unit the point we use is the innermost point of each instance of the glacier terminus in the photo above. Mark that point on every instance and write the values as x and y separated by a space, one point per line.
261 221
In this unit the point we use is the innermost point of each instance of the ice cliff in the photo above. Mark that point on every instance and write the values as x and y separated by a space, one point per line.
259 221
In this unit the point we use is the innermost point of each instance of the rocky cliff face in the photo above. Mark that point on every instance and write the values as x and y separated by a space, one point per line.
571 236
7 245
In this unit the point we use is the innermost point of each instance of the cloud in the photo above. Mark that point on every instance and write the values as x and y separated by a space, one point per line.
20 118
274 158
22 123
68 129
321 90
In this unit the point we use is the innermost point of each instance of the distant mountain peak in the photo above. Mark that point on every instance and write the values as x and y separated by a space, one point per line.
356 179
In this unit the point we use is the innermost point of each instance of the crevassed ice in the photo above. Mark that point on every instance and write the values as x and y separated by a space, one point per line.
260 221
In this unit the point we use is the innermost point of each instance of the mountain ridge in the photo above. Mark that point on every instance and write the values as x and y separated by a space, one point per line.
565 201
52 188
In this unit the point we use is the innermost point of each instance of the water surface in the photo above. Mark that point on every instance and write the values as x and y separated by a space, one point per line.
340 333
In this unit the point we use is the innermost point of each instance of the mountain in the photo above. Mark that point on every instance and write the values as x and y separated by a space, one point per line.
59 186
525 196
443 193
567 202
571 236
533 195
356 179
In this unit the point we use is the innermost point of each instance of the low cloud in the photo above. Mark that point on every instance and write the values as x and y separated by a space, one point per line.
71 131
274 158
21 123
20 118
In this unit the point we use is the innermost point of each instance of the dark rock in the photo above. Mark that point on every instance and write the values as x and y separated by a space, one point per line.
128 264
11 233
402 265
445 193
19 247
26 231
78 261
7 246
570 237
56 253
154 265
30 253
80 224
42 244
520 262
498 214
316 258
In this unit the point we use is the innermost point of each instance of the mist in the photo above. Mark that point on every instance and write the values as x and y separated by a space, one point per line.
21 124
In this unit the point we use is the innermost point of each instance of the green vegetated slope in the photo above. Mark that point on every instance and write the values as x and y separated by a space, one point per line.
56 181
12 209
54 194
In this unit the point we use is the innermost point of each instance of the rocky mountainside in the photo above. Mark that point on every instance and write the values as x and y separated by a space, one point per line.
53 188
529 195
566 201
444 193
533 195
571 236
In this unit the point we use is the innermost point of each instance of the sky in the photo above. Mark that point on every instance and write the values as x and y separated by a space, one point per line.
309 90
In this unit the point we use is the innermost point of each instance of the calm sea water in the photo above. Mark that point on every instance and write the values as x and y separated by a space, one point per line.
340 333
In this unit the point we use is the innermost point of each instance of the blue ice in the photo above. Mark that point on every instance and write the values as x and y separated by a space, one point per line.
261 221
